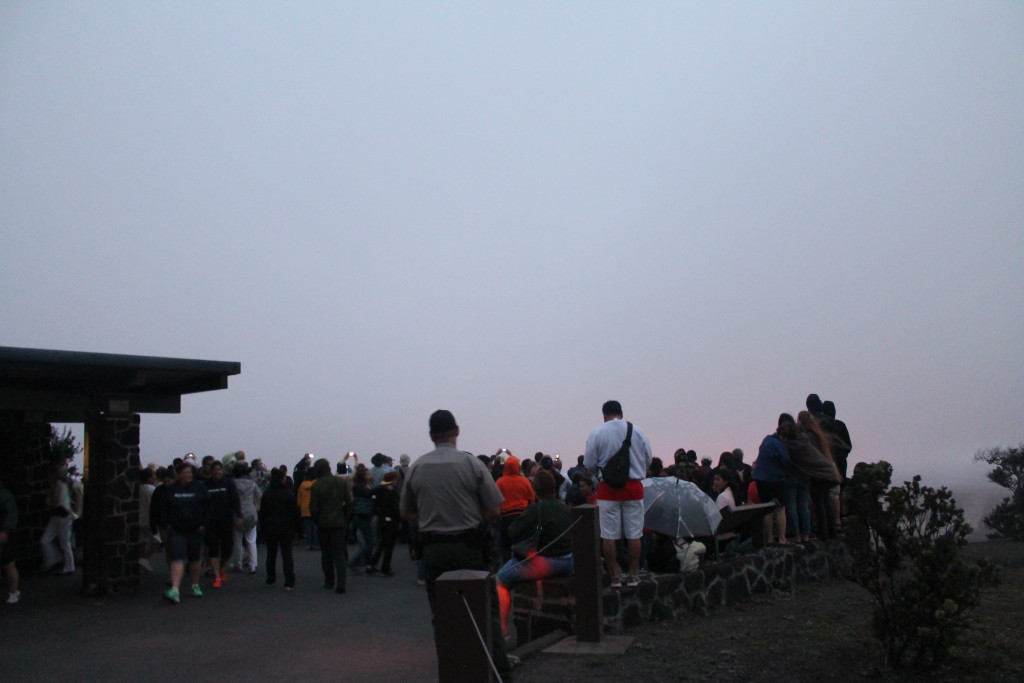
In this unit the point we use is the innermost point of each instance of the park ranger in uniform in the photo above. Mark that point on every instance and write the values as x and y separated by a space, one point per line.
452 496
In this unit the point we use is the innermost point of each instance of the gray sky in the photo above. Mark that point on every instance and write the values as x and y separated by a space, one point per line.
519 210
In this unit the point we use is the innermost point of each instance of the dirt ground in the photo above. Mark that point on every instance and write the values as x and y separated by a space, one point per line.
822 632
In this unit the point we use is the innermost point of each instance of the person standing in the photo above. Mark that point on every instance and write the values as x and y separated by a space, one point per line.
225 515
330 505
770 478
385 507
58 528
361 519
451 496
8 524
186 514
147 539
379 469
244 556
842 444
621 510
302 497
278 516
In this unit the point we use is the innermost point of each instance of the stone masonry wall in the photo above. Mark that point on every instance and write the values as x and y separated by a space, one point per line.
24 468
542 607
111 504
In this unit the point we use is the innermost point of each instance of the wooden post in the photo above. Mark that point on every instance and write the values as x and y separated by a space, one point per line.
586 555
460 654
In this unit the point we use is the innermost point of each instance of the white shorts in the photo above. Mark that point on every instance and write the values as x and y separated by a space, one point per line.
621 518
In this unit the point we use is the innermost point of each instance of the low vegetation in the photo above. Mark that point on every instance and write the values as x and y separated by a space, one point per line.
1007 518
906 544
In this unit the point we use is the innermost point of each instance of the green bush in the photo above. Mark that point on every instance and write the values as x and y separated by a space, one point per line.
905 543
1007 518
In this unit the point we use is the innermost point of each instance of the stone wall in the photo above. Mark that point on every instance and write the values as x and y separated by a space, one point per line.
111 516
25 464
542 607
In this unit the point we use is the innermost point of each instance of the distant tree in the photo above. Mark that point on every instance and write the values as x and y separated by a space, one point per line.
905 544
1007 518
63 446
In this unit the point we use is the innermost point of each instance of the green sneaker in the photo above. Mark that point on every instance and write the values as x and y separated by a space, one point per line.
197 592
171 595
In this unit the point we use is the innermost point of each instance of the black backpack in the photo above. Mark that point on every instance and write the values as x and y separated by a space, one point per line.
615 472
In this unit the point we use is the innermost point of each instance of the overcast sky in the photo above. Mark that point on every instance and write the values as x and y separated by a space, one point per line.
519 210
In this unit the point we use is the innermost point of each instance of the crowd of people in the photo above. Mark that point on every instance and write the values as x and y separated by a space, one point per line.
208 513
497 513
211 514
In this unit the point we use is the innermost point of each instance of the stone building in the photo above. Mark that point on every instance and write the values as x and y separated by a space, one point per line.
107 393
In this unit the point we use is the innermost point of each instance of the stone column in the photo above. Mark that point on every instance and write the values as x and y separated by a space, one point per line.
111 516
24 466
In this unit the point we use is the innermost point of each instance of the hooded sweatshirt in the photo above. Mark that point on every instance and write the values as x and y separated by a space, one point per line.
516 488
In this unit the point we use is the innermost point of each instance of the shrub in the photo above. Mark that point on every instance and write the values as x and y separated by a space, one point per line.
905 543
1007 518
63 446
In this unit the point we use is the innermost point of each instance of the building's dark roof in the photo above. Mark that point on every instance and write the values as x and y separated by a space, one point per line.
66 386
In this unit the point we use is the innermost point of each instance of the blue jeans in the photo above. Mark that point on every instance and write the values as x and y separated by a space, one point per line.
798 506
534 568
362 527
312 534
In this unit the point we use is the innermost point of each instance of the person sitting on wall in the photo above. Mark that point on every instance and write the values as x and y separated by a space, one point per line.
554 548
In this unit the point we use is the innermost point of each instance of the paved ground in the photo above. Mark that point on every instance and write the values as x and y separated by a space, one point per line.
379 630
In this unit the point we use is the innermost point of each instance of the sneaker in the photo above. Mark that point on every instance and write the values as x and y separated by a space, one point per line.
289 589
370 569
617 581
223 576
387 572
172 596
13 598
197 592
270 584
217 583
251 570
632 581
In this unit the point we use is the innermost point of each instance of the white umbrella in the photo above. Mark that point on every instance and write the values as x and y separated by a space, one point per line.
679 508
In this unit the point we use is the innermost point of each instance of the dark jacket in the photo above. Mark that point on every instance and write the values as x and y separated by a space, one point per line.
278 512
385 503
555 519
330 501
362 500
186 508
224 503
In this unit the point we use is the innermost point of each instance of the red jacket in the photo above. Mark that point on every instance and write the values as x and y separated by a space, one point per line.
516 488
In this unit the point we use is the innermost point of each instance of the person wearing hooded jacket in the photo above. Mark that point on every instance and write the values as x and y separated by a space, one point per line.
330 504
519 493
278 516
